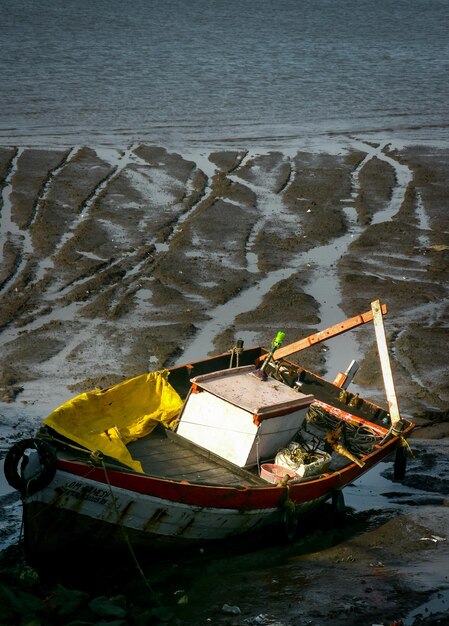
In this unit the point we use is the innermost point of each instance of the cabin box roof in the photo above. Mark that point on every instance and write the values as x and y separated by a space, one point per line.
240 417
243 389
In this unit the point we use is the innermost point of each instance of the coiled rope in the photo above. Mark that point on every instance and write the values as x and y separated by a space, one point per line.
358 438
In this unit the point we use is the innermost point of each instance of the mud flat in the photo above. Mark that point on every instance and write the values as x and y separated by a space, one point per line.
116 261
119 261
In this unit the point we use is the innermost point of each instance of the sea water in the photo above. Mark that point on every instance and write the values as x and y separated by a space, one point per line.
236 71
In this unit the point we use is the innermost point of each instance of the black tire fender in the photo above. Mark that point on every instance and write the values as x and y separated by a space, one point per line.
13 468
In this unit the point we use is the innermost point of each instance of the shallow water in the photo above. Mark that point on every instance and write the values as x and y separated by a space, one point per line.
201 72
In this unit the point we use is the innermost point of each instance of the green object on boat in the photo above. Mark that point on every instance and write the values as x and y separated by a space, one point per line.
278 339
274 346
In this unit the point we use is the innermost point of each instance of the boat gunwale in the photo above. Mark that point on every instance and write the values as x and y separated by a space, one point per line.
244 497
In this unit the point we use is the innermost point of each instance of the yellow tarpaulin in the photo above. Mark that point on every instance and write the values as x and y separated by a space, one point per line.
107 420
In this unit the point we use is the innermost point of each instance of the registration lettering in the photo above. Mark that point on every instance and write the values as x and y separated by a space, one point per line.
81 491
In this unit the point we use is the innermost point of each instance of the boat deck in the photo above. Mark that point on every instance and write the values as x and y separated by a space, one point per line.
166 454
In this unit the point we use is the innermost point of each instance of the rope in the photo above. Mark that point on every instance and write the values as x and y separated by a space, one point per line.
359 439
127 541
257 452
288 502
406 445
49 437
235 351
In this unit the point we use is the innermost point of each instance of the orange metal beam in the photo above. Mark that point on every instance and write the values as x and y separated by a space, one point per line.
323 335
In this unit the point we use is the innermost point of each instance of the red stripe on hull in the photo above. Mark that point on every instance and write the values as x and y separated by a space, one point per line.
244 498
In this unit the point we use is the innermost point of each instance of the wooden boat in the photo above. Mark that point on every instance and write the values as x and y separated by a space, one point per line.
196 454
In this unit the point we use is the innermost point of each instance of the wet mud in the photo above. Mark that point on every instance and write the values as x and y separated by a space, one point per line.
114 260
119 261
385 565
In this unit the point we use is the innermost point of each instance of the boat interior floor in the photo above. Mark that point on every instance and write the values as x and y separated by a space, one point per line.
166 454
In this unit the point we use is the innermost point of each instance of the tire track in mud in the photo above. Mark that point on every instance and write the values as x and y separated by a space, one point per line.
324 288
9 231
26 224
83 212
102 305
25 234
117 164
60 300
42 318
46 265
270 205
71 310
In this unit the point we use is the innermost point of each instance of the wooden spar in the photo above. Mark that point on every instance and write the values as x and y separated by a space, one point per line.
385 362
323 335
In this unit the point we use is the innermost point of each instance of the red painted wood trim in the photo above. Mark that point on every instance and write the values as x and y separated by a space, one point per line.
245 499
350 418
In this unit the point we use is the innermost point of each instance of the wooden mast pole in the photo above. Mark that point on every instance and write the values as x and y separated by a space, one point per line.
385 363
